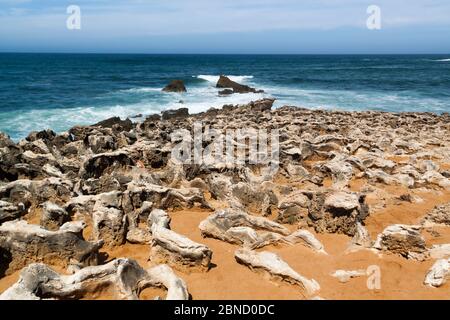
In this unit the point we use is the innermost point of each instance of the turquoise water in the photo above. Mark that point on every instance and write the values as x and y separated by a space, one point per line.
58 91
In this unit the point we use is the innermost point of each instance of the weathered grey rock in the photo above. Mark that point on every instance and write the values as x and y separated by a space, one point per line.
163 275
104 163
139 192
178 251
293 208
53 216
160 218
139 236
249 238
341 172
28 243
336 211
277 268
361 238
439 273
440 215
434 177
9 211
125 276
35 192
109 225
306 238
401 239
218 224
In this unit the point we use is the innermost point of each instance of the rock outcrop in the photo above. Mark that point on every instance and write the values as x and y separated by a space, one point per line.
26 243
125 276
178 251
438 216
336 211
403 240
175 86
225 82
10 211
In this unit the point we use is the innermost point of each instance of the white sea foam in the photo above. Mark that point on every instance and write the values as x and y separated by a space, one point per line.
141 90
214 79
442 60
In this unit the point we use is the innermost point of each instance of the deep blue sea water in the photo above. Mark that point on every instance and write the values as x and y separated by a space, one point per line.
57 91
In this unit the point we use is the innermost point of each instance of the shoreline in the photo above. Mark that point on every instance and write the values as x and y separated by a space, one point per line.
143 117
349 186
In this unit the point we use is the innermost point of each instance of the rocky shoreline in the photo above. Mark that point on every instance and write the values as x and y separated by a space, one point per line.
103 211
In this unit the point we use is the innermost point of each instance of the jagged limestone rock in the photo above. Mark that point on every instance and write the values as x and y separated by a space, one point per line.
109 225
53 216
28 243
10 211
336 211
403 240
217 225
125 276
440 215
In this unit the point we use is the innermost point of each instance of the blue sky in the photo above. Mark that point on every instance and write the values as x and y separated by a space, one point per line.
232 26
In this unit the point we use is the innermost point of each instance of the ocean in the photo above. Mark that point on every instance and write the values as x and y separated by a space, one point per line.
58 91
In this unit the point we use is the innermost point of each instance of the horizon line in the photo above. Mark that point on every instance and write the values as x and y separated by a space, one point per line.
203 53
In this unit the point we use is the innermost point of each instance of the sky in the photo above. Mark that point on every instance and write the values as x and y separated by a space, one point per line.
231 26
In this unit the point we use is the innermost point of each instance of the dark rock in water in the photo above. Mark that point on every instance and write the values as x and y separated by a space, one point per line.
225 82
126 125
175 86
139 115
226 92
175 114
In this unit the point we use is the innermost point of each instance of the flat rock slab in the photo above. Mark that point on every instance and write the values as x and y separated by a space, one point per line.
276 268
